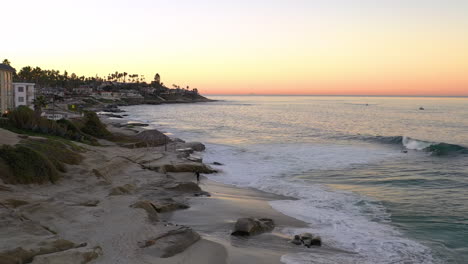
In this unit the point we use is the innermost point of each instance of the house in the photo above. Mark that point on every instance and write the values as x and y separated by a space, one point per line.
6 88
24 94
130 94
57 115
49 92
83 90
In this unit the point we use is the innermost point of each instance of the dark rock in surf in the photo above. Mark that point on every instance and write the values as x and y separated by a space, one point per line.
197 146
252 226
296 240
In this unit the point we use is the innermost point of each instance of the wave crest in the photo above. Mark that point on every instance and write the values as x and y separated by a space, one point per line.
439 149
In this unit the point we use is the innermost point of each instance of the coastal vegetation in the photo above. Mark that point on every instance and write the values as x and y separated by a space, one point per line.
23 120
37 161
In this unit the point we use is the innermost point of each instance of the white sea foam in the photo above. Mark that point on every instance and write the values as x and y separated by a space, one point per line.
414 144
344 220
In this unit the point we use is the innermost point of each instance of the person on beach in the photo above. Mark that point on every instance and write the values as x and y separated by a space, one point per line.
198 177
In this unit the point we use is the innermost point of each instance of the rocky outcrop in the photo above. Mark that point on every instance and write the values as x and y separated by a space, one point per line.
20 255
252 226
168 205
150 209
89 203
4 188
71 256
187 167
171 243
183 187
307 239
121 190
152 137
196 146
13 203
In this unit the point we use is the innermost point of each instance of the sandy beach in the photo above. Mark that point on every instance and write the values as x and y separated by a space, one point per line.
121 206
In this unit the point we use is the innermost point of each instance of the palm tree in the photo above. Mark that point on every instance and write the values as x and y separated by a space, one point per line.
39 103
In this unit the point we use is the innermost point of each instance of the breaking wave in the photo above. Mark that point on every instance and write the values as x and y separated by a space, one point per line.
438 149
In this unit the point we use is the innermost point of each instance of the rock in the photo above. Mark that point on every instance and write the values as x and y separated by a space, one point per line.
150 209
171 243
120 190
217 163
296 241
71 256
20 255
13 203
252 226
185 150
90 203
202 194
137 124
183 187
152 137
4 188
178 140
168 205
307 239
113 115
306 236
187 167
197 146
195 158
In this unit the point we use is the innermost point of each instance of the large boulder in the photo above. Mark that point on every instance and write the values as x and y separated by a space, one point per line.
149 208
22 255
196 146
187 167
121 190
152 137
183 187
168 205
252 226
71 256
171 243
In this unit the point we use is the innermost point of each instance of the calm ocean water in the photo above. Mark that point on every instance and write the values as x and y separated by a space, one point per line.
373 175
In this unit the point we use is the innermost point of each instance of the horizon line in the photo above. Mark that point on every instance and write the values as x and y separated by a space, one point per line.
337 95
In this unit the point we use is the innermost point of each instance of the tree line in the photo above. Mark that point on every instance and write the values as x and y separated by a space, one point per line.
55 78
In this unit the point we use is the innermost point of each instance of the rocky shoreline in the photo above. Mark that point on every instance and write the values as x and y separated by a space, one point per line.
140 205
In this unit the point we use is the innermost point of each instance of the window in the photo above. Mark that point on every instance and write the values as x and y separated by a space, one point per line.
20 89
21 99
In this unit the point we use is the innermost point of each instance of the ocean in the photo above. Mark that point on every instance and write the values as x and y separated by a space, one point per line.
375 176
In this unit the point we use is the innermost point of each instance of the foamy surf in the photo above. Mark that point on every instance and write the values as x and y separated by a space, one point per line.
345 220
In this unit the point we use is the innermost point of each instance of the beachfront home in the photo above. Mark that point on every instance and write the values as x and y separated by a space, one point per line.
24 94
6 88
83 90
59 114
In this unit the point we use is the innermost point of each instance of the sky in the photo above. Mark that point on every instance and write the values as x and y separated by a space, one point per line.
318 47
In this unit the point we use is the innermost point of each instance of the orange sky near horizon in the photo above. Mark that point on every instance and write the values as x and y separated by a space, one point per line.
334 47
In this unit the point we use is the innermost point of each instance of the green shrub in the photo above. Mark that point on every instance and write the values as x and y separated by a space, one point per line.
26 166
57 152
23 117
37 161
93 126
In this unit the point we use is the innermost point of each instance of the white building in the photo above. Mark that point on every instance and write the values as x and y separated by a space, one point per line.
6 88
57 115
24 94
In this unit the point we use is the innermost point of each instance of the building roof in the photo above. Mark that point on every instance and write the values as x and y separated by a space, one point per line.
6 67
